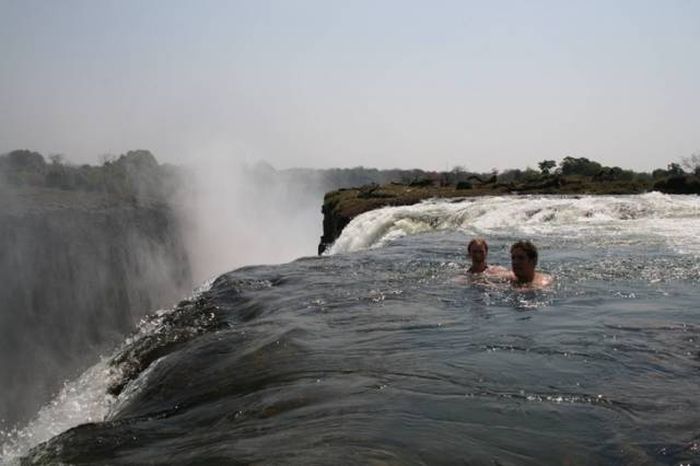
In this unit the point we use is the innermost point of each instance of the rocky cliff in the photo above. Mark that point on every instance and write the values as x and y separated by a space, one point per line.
341 206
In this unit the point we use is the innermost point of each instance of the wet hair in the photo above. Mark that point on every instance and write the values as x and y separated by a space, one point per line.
527 246
477 241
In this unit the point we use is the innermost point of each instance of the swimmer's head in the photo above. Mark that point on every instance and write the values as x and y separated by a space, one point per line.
527 247
477 242
523 256
478 249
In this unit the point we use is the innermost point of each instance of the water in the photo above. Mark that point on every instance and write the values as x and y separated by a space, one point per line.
384 353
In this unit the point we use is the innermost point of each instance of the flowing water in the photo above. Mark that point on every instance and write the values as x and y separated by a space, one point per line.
383 351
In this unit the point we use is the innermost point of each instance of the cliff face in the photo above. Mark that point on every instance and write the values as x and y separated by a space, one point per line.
77 272
333 223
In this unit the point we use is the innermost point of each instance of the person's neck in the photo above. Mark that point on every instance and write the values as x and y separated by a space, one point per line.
526 278
478 267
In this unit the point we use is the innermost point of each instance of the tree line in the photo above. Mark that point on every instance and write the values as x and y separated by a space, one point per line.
138 174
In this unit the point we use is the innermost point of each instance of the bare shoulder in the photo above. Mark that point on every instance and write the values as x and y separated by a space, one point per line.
461 279
499 271
542 280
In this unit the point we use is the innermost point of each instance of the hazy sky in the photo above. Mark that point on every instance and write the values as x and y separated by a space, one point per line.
323 83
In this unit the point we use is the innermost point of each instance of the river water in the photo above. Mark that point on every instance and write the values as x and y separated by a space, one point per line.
384 352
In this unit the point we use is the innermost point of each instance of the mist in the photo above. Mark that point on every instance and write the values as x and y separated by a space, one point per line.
80 268
237 214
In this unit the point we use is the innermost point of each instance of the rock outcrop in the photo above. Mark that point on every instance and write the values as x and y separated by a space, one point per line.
341 206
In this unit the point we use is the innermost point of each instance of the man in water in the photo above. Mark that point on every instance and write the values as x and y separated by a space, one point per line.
523 256
478 250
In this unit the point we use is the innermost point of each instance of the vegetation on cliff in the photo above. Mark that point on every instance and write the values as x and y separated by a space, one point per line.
135 175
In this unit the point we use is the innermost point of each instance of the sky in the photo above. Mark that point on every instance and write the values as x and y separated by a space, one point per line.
386 84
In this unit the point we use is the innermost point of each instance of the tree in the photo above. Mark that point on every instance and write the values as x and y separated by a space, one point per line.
57 159
546 166
675 169
26 160
659 173
107 158
579 166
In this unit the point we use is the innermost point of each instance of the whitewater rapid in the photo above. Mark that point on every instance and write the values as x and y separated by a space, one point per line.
672 219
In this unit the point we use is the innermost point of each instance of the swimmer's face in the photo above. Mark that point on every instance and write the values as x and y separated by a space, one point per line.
477 252
521 263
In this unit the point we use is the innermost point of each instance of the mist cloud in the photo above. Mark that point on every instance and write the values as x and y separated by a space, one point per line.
238 214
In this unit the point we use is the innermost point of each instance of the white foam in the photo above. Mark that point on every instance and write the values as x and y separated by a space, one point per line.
83 400
675 219
80 401
203 288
